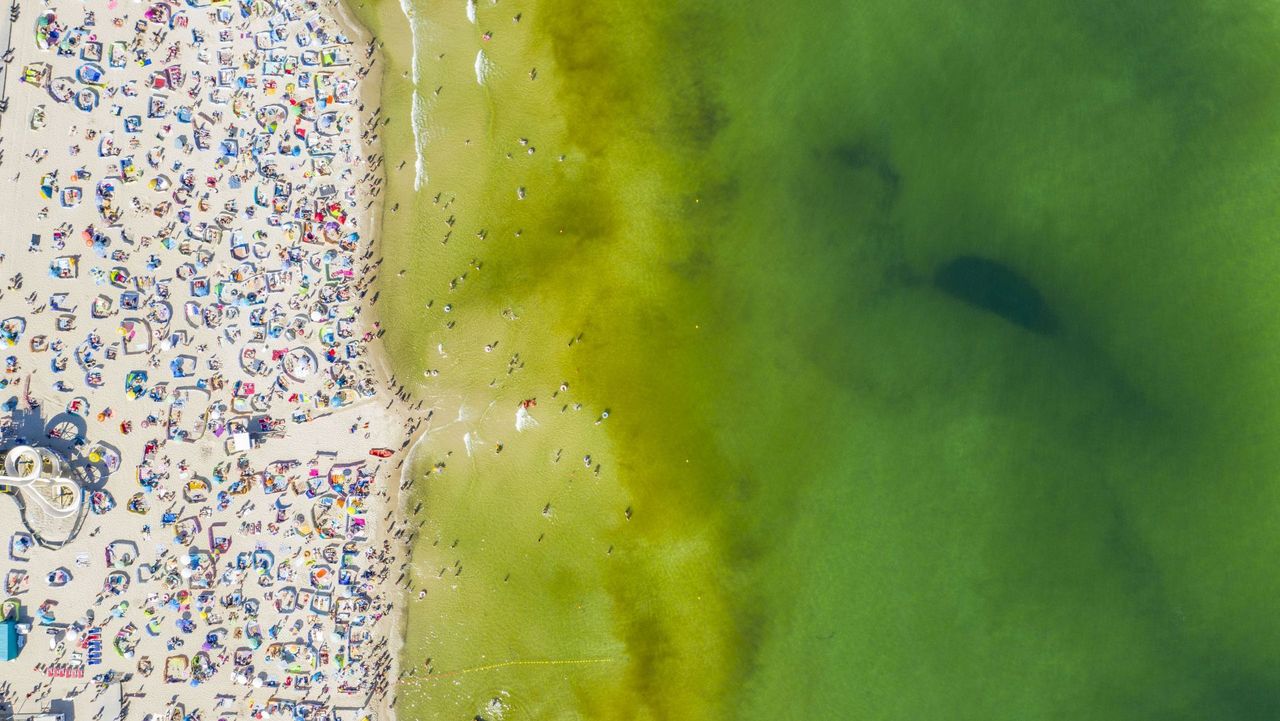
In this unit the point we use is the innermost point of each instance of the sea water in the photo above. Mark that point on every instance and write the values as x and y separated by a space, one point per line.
838 478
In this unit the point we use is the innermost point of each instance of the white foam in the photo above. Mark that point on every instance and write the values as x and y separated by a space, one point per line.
411 16
483 66
418 119
524 419
418 111
471 11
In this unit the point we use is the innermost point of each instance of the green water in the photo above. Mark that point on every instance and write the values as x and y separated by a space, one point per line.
852 495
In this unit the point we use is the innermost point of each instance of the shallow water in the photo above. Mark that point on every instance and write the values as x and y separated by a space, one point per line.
828 487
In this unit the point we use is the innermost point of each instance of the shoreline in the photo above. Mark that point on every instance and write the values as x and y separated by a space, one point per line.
371 96
529 558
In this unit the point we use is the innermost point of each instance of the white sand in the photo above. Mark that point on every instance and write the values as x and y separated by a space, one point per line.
172 218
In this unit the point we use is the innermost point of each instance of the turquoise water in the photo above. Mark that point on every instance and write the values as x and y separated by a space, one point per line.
862 488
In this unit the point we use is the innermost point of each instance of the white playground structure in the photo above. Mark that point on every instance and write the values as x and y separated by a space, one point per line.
39 475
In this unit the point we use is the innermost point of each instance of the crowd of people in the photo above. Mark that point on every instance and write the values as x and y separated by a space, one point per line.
190 331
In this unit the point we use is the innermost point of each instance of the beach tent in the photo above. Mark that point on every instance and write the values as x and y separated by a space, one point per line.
90 74
35 73
8 640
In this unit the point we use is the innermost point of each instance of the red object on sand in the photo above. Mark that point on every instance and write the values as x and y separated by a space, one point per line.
381 452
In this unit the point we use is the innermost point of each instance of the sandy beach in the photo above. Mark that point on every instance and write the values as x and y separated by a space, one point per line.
202 450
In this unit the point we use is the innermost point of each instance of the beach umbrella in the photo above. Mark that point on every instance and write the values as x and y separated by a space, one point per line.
47 30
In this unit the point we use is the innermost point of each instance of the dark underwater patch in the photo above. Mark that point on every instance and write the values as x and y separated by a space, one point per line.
996 288
864 156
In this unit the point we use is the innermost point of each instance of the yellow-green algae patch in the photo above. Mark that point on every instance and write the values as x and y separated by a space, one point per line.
852 495
556 587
